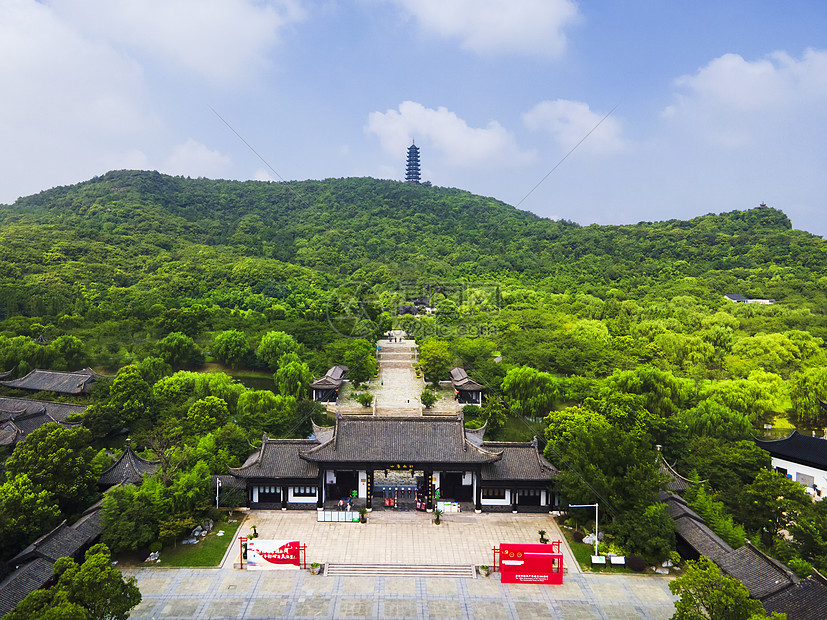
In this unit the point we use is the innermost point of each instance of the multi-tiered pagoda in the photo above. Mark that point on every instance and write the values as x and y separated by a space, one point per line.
412 171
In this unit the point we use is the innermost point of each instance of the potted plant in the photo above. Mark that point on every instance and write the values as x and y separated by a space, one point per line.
315 568
363 515
437 516
543 539
253 532
485 570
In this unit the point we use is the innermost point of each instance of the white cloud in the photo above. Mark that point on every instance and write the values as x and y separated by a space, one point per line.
734 103
569 122
217 39
491 26
459 144
70 106
194 159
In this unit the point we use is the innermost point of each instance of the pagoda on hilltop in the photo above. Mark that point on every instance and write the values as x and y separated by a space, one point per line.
412 174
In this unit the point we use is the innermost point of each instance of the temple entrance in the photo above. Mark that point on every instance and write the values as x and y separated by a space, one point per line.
455 486
397 489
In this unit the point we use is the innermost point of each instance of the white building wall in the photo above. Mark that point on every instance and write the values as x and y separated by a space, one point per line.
793 469
498 502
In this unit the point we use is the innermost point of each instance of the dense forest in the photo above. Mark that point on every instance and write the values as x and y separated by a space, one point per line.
619 338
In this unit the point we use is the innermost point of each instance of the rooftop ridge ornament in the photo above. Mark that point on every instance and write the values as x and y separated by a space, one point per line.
412 174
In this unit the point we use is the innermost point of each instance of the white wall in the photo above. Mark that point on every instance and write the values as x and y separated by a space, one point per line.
819 475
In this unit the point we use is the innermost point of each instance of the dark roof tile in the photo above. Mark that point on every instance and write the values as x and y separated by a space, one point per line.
27 578
798 448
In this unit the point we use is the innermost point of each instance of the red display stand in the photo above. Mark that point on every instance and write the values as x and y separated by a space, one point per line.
531 563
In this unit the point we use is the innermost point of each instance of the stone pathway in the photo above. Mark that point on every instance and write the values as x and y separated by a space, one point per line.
399 388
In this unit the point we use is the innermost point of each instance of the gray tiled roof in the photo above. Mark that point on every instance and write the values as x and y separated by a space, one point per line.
279 458
58 411
322 433
129 468
461 381
798 448
806 600
65 540
77 382
332 379
520 461
761 574
691 527
27 578
19 417
359 439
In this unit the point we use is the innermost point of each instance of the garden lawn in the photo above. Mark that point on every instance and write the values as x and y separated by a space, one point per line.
209 552
583 554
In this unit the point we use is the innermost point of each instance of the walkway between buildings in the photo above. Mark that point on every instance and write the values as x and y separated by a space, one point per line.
399 388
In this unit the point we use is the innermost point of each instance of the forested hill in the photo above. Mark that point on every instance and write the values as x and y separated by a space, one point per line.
179 239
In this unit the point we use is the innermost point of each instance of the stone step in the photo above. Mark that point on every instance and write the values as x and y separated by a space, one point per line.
401 570
404 412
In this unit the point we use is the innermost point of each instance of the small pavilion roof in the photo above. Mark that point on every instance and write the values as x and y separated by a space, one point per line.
520 461
358 439
278 458
676 482
461 381
798 448
332 379
77 382
129 468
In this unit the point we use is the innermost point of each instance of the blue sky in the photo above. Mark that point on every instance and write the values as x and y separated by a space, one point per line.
716 105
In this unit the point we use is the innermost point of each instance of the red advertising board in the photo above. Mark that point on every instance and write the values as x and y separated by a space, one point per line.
272 554
531 563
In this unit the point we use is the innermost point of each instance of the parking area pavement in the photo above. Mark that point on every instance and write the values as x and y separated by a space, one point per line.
396 538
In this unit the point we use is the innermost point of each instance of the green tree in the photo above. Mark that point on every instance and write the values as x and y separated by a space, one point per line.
180 351
59 460
772 503
434 360
95 590
130 395
230 347
650 533
205 415
807 390
273 345
293 379
529 392
493 411
427 398
130 516
360 359
705 592
26 512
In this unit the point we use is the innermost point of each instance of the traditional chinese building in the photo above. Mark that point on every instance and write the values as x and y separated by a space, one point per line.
444 460
467 390
326 389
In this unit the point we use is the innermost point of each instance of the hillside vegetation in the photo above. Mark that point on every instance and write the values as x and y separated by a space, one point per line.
606 340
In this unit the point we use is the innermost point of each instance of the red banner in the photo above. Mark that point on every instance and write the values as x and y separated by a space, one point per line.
272 554
531 563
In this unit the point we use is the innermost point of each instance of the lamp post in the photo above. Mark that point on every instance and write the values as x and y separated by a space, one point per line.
217 486
595 520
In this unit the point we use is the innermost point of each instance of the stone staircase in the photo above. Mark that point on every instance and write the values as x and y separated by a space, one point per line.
400 570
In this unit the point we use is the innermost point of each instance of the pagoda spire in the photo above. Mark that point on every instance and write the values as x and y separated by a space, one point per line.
412 174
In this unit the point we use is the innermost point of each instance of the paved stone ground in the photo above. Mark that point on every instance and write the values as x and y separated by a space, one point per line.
398 388
213 593
389 537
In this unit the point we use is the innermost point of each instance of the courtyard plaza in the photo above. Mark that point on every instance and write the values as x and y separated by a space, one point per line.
401 538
